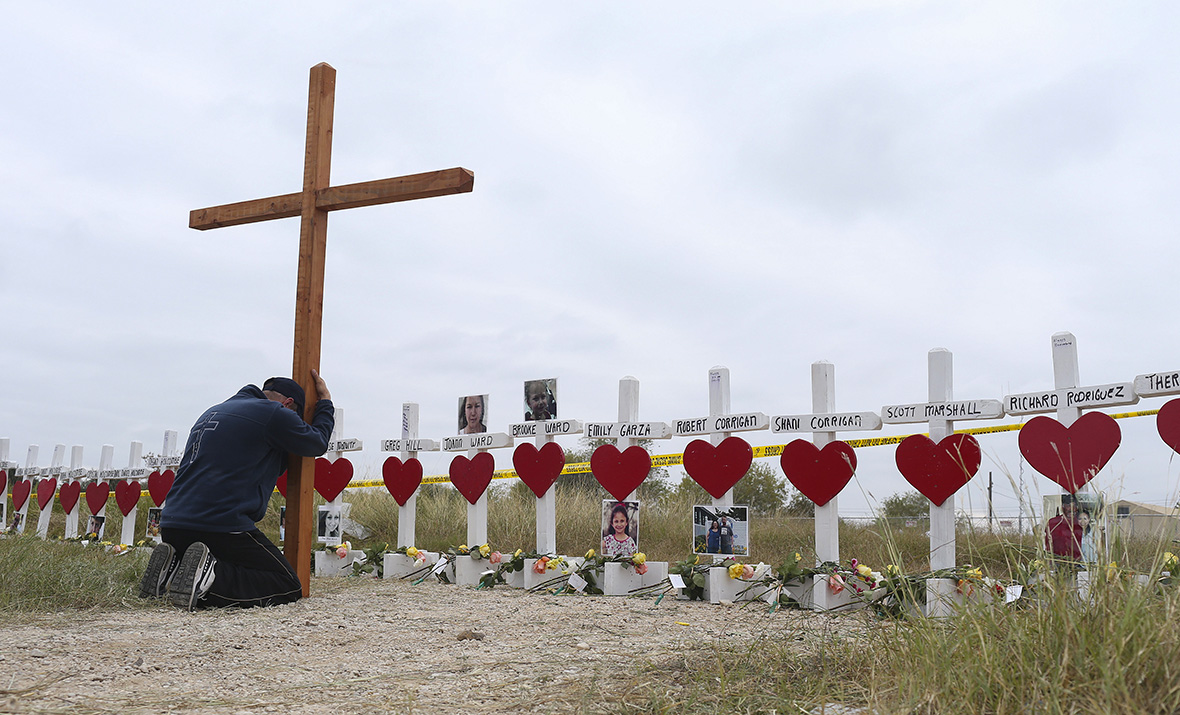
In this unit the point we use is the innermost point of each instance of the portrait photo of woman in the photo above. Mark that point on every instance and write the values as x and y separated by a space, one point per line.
329 525
473 414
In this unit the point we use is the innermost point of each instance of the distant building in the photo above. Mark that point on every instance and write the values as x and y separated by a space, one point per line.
1136 520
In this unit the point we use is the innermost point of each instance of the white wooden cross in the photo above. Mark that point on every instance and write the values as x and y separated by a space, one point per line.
477 513
54 472
628 431
940 414
543 432
76 473
337 446
135 471
823 424
169 458
5 465
29 471
721 423
409 445
104 473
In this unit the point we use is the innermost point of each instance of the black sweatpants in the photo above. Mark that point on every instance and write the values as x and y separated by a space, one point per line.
250 570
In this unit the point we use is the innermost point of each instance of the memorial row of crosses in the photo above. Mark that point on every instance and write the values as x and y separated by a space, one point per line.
1070 450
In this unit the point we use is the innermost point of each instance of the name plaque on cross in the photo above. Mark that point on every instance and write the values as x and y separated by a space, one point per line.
1155 384
487 440
106 474
28 471
548 428
832 422
957 410
345 445
79 473
131 472
409 445
627 430
163 460
1115 393
745 422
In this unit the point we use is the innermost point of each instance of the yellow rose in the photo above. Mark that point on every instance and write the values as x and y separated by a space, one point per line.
864 571
735 571
518 553
975 574
485 550
696 561
463 548
638 558
411 551
590 554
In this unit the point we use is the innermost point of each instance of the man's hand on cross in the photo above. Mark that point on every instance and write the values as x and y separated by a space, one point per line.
321 387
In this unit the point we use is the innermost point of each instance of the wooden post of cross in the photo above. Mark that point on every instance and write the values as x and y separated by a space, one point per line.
312 205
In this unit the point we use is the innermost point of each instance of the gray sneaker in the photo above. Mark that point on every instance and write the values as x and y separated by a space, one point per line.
161 566
193 577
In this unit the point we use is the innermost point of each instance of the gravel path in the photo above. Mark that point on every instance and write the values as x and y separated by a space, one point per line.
363 645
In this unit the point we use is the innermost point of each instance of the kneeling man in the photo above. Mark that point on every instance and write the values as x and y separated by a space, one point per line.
213 553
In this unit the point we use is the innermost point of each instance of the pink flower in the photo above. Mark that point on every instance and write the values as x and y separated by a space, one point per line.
495 557
641 569
747 571
341 551
541 564
835 583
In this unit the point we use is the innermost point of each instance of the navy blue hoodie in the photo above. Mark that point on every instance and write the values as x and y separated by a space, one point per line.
234 455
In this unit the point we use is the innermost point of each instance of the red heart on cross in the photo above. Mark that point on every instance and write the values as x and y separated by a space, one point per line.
718 468
96 496
401 479
127 494
938 470
1070 456
620 473
472 476
3 481
69 493
1167 423
538 468
332 477
21 489
819 474
45 491
159 484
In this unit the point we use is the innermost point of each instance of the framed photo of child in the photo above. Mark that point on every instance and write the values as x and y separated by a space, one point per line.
540 400
95 525
722 531
620 528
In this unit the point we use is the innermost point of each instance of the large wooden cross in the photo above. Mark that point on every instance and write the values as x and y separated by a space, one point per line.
312 205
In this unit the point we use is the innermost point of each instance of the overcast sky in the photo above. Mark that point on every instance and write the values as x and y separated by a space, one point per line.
660 188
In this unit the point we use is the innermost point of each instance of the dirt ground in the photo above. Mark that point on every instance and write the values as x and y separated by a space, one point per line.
366 645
